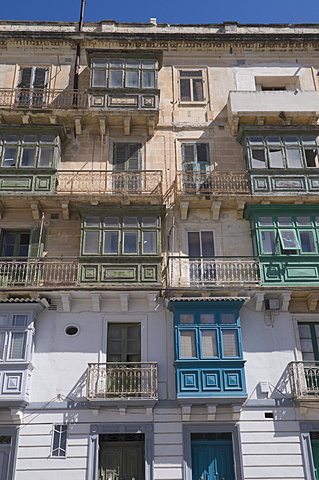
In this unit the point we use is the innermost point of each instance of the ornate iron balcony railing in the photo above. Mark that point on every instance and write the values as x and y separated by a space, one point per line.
115 380
215 271
42 98
304 380
212 183
110 182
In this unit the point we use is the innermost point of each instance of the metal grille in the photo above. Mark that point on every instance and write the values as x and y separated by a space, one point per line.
121 437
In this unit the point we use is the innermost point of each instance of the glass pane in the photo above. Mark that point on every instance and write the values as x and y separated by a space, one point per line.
289 239
255 140
130 221
306 345
91 242
3 320
207 244
99 62
131 79
291 140
132 64
190 73
46 157
207 318
193 244
265 220
311 155
284 221
116 63
116 78
99 78
258 158
19 320
273 140
148 79
198 91
228 318
148 63
268 242
28 157
149 221
149 242
23 247
30 139
303 220
307 242
230 343
294 158
209 343
186 318
9 157
17 345
276 159
92 221
47 138
11 139
187 344
111 221
111 242
130 242
185 89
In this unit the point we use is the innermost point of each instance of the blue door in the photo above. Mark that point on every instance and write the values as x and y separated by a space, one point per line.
212 456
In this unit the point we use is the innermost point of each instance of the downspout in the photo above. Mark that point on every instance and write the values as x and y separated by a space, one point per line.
78 56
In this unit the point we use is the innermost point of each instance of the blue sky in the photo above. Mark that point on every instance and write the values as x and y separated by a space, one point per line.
166 11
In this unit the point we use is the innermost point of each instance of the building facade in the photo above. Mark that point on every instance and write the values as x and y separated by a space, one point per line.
159 269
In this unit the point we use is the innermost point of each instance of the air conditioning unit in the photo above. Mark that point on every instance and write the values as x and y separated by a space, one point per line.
271 303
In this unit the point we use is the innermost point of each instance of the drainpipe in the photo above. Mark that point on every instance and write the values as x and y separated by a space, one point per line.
78 55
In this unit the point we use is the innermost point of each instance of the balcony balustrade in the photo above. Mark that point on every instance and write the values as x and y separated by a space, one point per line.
42 98
186 272
213 183
304 380
85 182
115 380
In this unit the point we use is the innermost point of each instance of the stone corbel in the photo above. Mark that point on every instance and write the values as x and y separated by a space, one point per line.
186 413
288 120
78 125
236 410
149 410
312 301
211 412
152 297
313 120
259 301
234 125
26 119
16 414
240 210
184 210
95 412
102 124
96 302
65 211
260 120
66 302
215 208
151 126
284 300
35 210
122 410
53 119
127 126
124 298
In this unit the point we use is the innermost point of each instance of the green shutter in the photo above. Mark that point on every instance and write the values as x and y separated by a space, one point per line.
119 156
25 77
133 162
36 244
40 77
202 152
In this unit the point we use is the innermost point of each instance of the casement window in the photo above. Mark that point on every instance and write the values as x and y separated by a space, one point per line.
196 167
26 243
29 151
122 456
124 342
121 235
290 234
191 83
130 73
15 337
282 151
31 85
126 156
59 440
309 340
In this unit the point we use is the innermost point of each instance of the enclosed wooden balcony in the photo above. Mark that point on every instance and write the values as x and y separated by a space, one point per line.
212 183
304 380
187 272
122 381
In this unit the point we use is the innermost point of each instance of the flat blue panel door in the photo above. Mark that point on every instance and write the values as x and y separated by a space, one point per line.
212 460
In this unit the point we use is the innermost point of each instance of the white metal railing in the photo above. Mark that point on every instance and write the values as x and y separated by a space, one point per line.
114 380
35 98
223 271
304 379
230 183
110 182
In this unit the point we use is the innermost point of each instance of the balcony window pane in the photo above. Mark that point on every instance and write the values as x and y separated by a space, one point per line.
9 157
23 247
91 242
148 64
116 78
46 157
116 64
3 320
11 139
255 140
230 343
149 221
284 221
309 139
111 242
265 220
193 244
288 239
92 222
303 221
132 64
19 320
294 158
291 140
209 343
207 318
185 89
258 158
30 139
17 346
198 90
187 344
28 157
273 140
268 242
148 79
186 318
99 78
276 158
149 242
307 242
130 221
47 138
227 318
132 78
130 242
317 334
311 155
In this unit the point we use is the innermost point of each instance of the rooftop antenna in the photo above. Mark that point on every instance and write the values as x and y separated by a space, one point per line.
78 56
83 2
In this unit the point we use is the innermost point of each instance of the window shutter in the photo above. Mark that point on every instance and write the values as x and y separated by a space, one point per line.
134 156
36 244
25 77
40 77
185 90
119 156
188 153
202 152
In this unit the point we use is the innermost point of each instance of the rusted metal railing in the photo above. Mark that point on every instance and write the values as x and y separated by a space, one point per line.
115 380
212 183
43 98
304 380
215 271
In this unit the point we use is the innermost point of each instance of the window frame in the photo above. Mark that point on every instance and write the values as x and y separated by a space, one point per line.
182 75
60 435
9 329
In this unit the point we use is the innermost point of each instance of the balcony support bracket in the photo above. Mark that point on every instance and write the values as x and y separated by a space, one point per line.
96 302
312 301
211 412
240 210
259 301
127 126
122 410
151 126
26 119
102 125
186 413
78 125
152 298
284 301
236 409
65 211
124 298
313 120
35 210
215 208
184 210
53 119
66 302
16 414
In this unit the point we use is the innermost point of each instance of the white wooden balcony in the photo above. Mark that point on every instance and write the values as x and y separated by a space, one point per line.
212 183
122 381
304 380
187 272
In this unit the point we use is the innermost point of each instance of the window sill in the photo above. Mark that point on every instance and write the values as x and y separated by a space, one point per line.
193 104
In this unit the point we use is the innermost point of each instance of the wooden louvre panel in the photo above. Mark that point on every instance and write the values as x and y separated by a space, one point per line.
126 156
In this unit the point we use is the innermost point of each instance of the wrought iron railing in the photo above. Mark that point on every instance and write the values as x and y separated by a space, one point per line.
304 380
115 380
212 183
42 98
218 271
110 182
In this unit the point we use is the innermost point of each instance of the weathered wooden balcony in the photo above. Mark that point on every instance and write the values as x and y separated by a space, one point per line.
115 380
88 182
304 380
212 183
42 98
187 272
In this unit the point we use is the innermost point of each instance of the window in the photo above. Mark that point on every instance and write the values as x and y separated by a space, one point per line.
126 156
124 73
31 85
191 84
287 235
201 252
59 440
282 151
196 167
124 342
29 151
21 243
309 340
121 235
15 337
